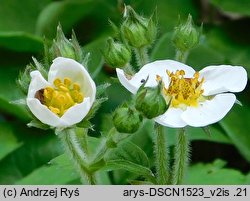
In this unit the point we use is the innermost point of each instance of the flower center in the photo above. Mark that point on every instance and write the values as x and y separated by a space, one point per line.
183 92
62 97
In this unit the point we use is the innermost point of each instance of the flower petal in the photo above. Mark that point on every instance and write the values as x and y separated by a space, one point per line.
223 78
171 118
125 81
152 69
42 113
37 83
210 111
76 113
65 67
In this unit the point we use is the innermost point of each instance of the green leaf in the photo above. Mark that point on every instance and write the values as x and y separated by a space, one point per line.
16 16
227 50
129 166
94 49
21 41
17 24
65 12
68 13
8 140
164 48
248 178
204 55
129 152
236 124
239 6
167 11
60 170
201 56
214 174
37 149
10 92
57 171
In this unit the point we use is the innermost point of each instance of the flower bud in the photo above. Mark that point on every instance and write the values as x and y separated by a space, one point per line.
62 46
137 30
116 54
186 36
127 120
150 101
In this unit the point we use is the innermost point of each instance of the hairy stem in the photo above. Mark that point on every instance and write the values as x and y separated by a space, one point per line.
73 148
141 56
181 157
129 69
161 156
181 56
107 144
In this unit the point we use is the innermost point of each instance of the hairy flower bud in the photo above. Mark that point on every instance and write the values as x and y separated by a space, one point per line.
62 47
127 120
137 30
186 36
116 54
150 101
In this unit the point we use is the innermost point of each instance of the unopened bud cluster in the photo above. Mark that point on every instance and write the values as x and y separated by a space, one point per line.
137 30
63 47
134 32
150 101
186 36
116 54
127 119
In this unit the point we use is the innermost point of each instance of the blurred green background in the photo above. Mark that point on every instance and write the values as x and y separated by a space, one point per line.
33 156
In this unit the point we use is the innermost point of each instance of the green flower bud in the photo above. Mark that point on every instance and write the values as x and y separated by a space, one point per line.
62 46
137 30
116 54
150 101
127 120
186 36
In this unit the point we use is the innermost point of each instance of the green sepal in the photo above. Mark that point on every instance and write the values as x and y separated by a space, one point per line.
24 78
40 67
85 123
150 101
126 119
37 124
101 89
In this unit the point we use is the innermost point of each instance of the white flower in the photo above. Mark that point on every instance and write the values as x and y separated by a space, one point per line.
196 98
66 98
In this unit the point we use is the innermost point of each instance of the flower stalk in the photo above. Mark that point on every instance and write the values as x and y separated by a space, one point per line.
105 146
73 148
181 157
142 57
161 156
181 56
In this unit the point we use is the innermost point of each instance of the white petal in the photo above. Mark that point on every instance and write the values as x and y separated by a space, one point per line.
152 69
37 83
42 113
171 118
210 111
125 81
76 113
223 78
65 67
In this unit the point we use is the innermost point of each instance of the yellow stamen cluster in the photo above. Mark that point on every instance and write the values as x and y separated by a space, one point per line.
63 96
183 91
